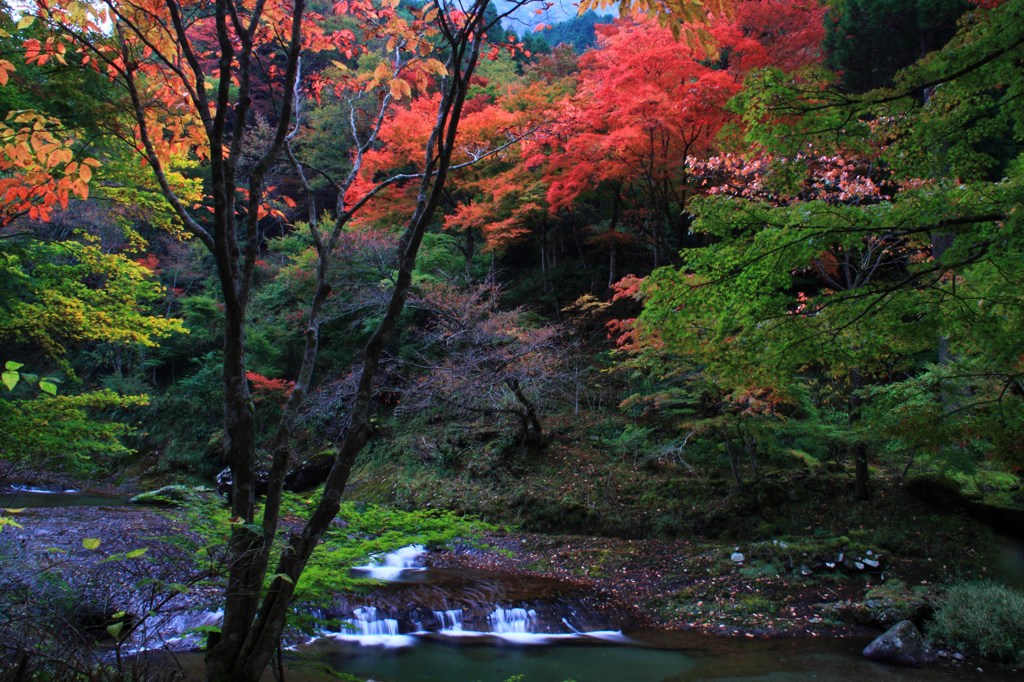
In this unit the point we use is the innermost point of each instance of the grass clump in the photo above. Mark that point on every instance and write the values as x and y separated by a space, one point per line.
983 617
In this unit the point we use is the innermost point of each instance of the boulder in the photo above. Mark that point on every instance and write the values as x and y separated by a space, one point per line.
169 495
901 644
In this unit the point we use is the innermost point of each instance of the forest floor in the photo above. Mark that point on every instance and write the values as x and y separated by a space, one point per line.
782 587
808 548
778 588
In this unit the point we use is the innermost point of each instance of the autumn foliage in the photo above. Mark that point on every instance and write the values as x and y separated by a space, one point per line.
39 168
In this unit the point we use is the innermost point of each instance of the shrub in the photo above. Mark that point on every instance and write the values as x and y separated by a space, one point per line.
984 617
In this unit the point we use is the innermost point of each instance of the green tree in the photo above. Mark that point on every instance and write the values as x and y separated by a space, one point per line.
869 41
901 287
56 296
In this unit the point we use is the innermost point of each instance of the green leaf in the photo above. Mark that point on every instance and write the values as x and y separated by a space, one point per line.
91 543
30 378
4 521
118 615
284 577
13 366
10 379
136 553
115 629
48 386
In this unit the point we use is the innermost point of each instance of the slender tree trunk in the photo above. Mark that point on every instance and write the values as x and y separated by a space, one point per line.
862 474
862 480
262 634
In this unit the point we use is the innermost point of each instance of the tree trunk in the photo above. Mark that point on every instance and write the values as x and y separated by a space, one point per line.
533 432
261 635
862 480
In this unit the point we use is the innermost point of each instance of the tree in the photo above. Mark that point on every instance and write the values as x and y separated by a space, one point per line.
886 266
480 362
204 64
192 73
645 109
869 41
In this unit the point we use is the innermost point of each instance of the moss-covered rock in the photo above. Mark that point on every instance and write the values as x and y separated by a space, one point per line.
884 606
174 495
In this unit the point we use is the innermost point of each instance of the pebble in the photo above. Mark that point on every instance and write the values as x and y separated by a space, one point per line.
958 657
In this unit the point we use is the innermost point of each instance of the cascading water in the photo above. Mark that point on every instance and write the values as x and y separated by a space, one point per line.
368 627
365 621
449 619
417 601
515 620
392 565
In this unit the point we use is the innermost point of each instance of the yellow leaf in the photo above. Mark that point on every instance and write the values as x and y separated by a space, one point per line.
435 66
396 89
26 21
91 543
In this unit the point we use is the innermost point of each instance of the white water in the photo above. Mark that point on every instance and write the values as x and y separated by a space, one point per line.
174 633
506 621
513 625
37 491
367 628
516 625
392 565
450 620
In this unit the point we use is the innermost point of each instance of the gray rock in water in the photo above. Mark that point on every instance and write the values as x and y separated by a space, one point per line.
901 644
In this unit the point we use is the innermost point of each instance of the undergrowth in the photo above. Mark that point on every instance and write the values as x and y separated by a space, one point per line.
982 617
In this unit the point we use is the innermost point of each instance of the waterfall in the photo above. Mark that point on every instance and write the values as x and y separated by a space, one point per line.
365 622
391 565
450 620
516 620
441 602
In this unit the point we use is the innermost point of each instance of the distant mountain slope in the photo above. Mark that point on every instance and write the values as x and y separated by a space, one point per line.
525 19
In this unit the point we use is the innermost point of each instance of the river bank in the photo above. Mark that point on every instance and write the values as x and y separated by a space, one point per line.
848 582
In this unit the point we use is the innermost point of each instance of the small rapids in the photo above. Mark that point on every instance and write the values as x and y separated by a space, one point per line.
18 496
391 566
418 602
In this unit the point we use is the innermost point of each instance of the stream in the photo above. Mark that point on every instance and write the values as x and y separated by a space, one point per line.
499 626
427 623
18 496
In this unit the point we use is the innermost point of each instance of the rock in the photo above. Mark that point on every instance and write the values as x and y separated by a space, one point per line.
958 657
169 494
737 556
901 644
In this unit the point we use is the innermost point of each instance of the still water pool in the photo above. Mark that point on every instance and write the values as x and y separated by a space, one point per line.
654 657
